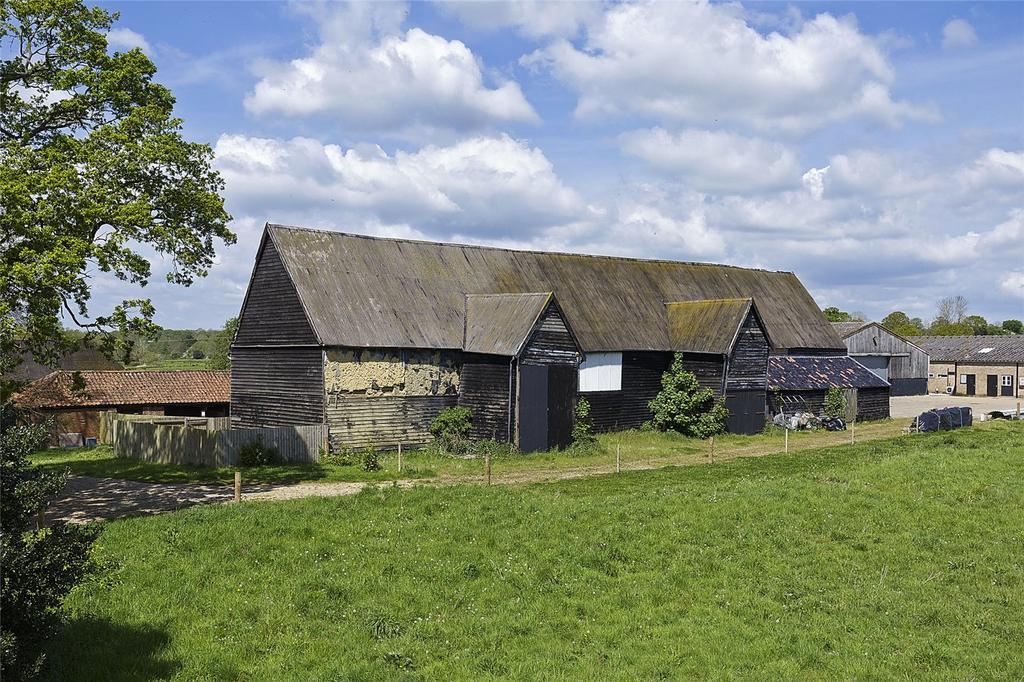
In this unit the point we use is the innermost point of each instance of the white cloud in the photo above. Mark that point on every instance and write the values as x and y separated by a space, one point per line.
1013 284
492 186
531 18
814 181
126 39
958 33
702 63
879 174
996 168
372 76
715 160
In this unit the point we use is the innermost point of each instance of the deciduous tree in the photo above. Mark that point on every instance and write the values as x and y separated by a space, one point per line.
95 177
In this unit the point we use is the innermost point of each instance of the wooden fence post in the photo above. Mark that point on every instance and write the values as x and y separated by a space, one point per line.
786 431
487 462
618 463
399 458
853 431
238 486
41 518
711 454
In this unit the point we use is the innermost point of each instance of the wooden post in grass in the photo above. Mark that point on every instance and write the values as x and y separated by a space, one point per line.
618 464
399 458
238 486
786 432
853 431
711 454
487 463
41 518
1019 415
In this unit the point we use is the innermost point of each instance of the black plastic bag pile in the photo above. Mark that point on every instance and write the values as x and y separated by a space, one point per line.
944 419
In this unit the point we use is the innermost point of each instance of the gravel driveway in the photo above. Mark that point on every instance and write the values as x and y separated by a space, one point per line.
913 405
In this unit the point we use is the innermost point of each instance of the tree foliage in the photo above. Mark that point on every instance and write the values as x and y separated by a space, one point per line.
1013 326
95 177
39 566
222 345
835 403
952 309
834 314
683 406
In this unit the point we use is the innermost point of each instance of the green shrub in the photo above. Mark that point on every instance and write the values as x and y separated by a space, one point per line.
371 459
39 566
835 403
583 438
450 429
683 406
342 457
255 454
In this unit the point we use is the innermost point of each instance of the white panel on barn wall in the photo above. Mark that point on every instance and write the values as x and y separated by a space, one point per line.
601 372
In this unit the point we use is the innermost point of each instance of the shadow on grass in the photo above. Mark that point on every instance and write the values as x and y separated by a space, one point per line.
98 649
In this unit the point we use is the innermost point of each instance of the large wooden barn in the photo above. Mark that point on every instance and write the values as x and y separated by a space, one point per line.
376 336
894 359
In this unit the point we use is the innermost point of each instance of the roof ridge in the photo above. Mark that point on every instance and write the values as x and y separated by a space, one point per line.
460 245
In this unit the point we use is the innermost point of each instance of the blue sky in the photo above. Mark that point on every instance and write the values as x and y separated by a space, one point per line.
875 149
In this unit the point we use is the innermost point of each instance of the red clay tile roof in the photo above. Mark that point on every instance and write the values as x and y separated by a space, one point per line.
128 388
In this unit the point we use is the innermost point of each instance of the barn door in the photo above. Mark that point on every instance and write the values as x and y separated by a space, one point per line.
561 404
971 390
533 408
993 384
746 412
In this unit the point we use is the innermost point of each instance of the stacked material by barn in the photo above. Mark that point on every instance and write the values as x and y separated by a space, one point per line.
800 384
75 403
376 336
975 365
893 358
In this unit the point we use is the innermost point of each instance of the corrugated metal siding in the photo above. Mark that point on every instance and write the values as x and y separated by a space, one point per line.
641 381
272 313
551 343
357 421
277 386
484 388
368 292
748 364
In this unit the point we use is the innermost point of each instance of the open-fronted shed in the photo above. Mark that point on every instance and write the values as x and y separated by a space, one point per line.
376 336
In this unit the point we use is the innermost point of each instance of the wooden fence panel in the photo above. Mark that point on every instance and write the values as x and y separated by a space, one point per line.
197 441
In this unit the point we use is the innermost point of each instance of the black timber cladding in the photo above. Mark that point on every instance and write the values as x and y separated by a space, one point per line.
272 312
748 362
641 381
485 387
277 386
551 342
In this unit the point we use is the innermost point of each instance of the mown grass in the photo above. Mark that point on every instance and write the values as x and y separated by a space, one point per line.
898 558
637 449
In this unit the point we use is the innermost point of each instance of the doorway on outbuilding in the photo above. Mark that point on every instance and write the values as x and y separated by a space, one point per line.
971 385
992 385
746 412
547 401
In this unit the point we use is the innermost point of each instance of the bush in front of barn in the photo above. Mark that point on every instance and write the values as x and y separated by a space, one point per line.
683 406
255 454
450 429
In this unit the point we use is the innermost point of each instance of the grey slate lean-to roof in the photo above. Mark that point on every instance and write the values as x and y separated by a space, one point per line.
813 373
498 324
376 292
706 326
981 349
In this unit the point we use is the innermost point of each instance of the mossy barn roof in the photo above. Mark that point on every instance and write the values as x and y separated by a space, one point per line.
374 292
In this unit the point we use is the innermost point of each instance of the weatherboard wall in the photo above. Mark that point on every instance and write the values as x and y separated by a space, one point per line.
277 386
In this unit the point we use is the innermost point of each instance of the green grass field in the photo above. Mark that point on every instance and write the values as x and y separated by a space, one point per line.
897 558
637 450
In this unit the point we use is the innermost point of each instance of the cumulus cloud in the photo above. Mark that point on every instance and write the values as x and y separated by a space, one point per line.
715 160
958 33
373 76
702 63
1013 284
492 186
996 168
531 18
126 39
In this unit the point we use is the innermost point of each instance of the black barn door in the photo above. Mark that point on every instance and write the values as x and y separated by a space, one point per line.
547 400
561 404
533 408
746 412
993 384
970 385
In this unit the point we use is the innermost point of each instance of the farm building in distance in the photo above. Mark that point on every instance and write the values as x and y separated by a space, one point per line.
893 358
375 336
800 384
975 365
76 409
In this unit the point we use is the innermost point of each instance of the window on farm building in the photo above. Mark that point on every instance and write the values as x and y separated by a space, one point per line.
601 372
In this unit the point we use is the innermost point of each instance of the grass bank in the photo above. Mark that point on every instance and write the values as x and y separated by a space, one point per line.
637 450
898 558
